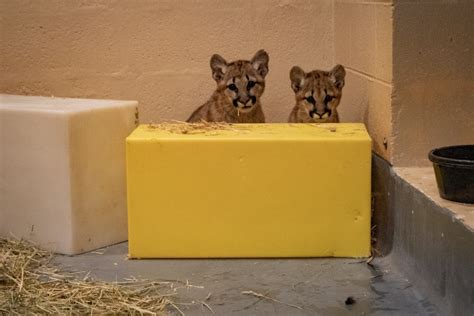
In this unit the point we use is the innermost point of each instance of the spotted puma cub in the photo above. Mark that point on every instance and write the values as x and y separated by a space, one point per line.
240 84
317 94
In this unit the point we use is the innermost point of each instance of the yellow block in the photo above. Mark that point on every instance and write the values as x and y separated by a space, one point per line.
262 190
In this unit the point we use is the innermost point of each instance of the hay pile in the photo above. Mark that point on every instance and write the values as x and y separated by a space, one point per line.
201 127
29 284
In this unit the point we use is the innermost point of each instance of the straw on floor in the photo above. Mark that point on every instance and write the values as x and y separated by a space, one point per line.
31 284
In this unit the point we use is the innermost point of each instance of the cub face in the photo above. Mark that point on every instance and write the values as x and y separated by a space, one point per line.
242 82
317 94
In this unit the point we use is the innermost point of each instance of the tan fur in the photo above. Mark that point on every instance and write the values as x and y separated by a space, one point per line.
317 95
240 84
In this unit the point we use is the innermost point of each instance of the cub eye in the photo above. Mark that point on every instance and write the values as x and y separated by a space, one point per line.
328 98
232 87
250 84
310 99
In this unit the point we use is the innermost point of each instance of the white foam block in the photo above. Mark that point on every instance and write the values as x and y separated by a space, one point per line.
62 171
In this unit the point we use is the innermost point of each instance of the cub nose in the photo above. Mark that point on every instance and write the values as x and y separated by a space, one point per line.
244 100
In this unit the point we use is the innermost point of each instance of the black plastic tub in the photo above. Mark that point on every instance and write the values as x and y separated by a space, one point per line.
454 170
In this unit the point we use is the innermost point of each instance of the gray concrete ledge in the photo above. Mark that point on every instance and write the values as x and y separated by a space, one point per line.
429 240
424 181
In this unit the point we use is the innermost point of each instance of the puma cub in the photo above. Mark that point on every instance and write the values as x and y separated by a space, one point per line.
240 84
317 95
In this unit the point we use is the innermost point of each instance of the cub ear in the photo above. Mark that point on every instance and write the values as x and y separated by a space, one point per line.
337 74
260 62
297 78
218 66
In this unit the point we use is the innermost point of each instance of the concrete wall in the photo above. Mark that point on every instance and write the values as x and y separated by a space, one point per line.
409 63
433 82
363 44
410 73
157 52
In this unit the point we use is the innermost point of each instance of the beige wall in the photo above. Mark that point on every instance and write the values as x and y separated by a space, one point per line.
409 63
410 73
433 95
363 44
157 52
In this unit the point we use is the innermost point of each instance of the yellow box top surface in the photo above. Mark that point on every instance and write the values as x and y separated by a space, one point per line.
280 131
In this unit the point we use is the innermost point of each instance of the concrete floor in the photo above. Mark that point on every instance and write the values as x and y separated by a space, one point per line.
317 286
